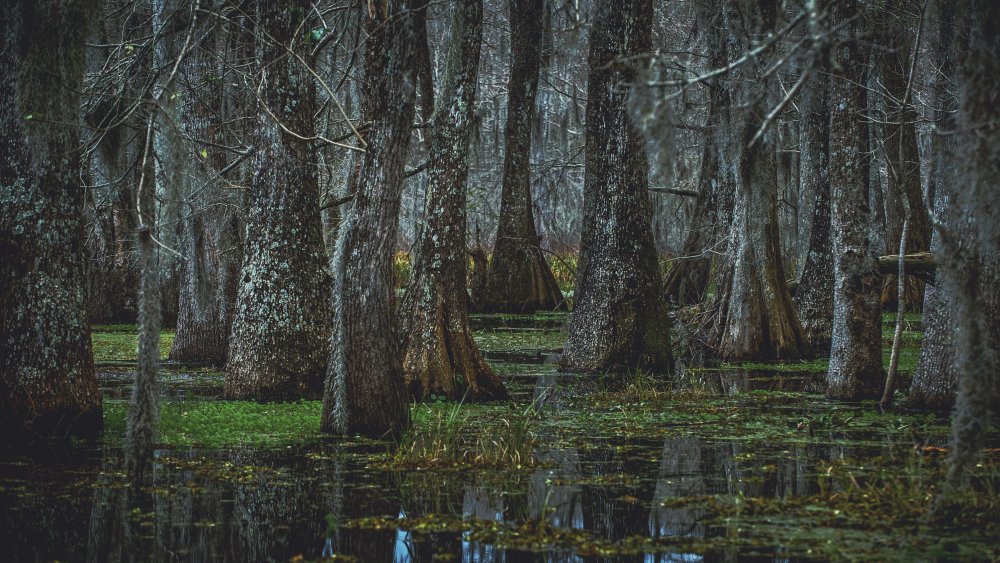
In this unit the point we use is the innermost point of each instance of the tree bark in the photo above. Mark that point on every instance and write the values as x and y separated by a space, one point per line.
364 391
520 280
972 267
440 356
855 370
935 378
281 328
753 316
210 226
47 382
814 298
619 320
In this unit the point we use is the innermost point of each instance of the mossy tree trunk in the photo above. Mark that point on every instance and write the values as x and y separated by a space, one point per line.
47 381
855 370
520 280
281 328
971 266
814 298
619 320
440 356
364 390
752 313
935 379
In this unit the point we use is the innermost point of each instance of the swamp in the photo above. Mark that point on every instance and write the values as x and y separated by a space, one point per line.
741 461
499 280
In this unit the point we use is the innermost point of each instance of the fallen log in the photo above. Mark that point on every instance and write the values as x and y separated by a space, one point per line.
921 265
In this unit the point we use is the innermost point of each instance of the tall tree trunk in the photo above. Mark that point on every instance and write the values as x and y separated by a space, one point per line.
855 370
209 274
935 378
112 267
281 328
814 298
619 320
520 280
900 149
688 279
440 355
364 390
47 382
753 317
972 255
210 237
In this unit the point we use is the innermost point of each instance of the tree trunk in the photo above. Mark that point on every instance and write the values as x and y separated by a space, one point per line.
900 149
440 356
281 327
112 267
753 317
972 265
619 320
855 370
935 378
814 298
209 275
47 382
364 390
520 280
210 227
687 281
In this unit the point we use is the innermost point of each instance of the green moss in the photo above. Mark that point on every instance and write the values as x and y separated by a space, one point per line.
819 364
220 424
120 344
913 319
519 341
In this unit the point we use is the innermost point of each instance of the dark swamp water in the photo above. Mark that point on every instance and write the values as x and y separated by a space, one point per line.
737 463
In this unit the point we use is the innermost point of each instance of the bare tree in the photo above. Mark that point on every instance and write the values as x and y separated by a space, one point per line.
972 255
364 390
619 319
520 279
855 370
752 313
440 355
281 329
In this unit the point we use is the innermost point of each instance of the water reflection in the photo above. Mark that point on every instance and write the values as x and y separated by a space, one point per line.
278 504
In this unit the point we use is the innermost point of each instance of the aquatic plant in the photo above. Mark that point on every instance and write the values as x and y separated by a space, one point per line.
451 438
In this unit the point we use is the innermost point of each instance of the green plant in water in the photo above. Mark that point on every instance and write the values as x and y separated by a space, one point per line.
220 424
120 342
450 438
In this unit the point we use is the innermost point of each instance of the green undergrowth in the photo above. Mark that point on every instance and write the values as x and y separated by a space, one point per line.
538 317
120 342
224 424
454 435
519 341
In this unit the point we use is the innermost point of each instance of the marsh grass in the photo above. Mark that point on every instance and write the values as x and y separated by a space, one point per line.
643 386
450 437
